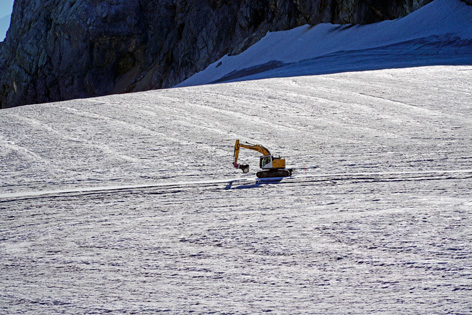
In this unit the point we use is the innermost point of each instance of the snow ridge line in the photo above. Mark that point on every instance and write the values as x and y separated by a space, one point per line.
248 182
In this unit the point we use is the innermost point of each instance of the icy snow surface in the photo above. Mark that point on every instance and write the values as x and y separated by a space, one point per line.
129 203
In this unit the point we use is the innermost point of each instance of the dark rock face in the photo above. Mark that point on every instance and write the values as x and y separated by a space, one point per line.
64 49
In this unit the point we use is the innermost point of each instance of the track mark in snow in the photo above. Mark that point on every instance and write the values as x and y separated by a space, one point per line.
10 145
248 182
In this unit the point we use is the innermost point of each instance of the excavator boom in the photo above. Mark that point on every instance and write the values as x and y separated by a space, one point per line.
256 147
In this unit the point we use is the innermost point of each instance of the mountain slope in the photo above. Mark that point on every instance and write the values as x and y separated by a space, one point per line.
439 33
67 49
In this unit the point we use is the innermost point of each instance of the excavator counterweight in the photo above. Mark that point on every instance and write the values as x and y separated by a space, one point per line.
271 166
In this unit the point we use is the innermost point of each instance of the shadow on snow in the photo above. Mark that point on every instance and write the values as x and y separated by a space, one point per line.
429 51
256 184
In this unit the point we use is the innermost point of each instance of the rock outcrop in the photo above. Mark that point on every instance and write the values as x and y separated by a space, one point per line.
63 49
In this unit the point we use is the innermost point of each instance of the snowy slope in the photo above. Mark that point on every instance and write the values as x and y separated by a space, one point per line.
129 203
438 34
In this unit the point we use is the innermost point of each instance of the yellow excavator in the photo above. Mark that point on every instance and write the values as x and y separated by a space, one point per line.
271 166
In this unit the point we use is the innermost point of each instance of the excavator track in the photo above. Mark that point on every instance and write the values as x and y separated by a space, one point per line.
274 173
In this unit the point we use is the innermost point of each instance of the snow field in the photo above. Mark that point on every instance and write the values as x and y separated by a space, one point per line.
376 219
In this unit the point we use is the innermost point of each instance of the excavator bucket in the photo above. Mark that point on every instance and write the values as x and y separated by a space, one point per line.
244 167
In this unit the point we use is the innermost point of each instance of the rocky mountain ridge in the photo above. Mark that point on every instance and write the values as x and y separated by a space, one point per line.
58 50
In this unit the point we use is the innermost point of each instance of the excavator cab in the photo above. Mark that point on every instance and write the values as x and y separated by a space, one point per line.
265 162
271 162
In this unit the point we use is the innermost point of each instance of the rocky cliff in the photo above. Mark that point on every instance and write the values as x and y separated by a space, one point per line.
64 49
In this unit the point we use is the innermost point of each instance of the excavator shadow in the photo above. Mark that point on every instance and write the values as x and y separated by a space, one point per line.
256 184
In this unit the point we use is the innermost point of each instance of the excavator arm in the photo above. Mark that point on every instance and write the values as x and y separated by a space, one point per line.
255 147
